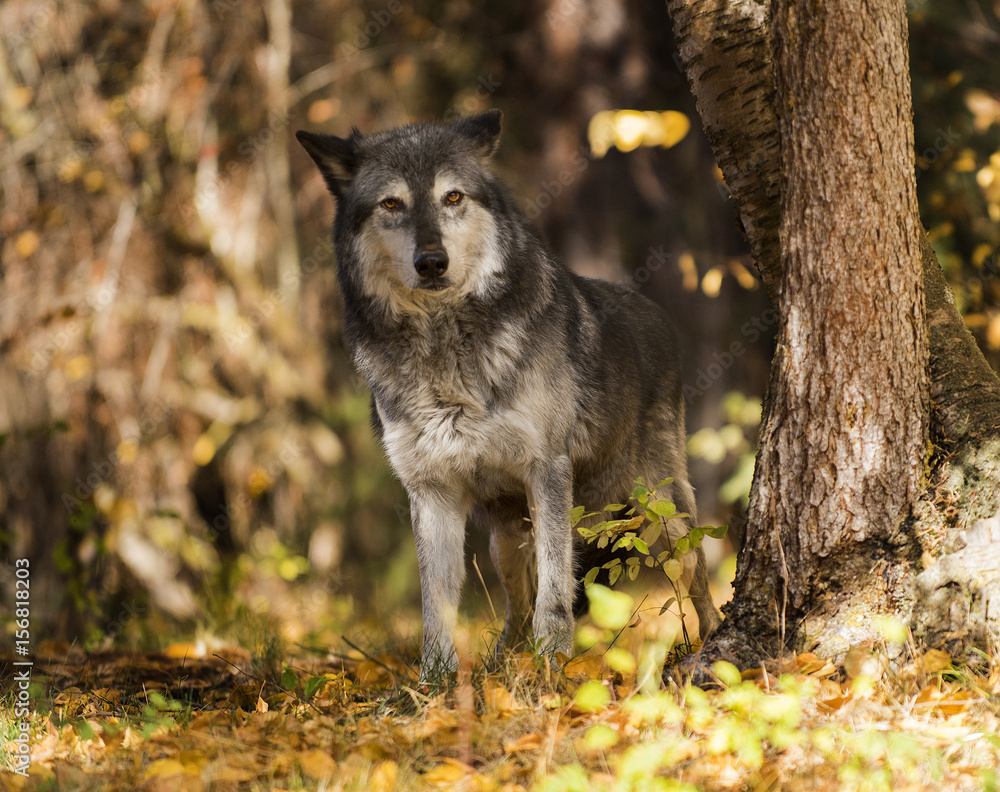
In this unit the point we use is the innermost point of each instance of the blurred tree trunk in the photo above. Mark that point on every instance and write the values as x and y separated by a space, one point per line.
842 515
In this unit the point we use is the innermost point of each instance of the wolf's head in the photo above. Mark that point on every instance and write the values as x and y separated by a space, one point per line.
416 208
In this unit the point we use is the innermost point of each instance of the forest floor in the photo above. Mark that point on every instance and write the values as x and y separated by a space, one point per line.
194 718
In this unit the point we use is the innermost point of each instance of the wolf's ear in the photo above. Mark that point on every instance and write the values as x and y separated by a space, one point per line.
483 130
337 158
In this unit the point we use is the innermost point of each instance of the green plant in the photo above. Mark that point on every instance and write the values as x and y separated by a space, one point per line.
639 531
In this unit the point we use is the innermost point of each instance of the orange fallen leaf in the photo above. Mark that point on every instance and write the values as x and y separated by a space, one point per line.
168 767
809 663
499 700
589 666
383 777
179 651
526 742
450 771
317 764
935 660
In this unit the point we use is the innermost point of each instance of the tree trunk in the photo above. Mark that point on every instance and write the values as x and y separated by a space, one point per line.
835 527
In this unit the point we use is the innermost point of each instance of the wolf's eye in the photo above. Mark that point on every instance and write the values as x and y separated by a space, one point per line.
454 197
391 204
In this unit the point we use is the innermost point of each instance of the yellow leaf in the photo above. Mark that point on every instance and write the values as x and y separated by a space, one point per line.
179 651
966 161
993 333
126 452
935 660
77 367
93 181
21 97
258 482
589 666
169 767
499 700
383 778
70 169
317 764
203 451
593 696
526 742
138 142
26 244
620 660
860 661
223 773
450 771
809 663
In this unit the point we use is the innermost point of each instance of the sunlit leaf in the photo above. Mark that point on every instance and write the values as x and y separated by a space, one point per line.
609 609
592 696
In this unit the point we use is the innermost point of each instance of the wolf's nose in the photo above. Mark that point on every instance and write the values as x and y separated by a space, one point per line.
431 262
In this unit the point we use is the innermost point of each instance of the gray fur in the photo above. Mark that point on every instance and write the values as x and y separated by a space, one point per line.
503 385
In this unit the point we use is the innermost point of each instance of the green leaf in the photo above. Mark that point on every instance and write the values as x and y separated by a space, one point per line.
892 629
609 609
288 679
718 532
575 515
592 696
600 737
613 507
697 536
312 685
620 660
591 576
667 480
84 730
662 508
640 545
652 532
613 574
682 546
673 569
727 673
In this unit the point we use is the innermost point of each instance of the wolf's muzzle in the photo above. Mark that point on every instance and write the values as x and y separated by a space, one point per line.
431 262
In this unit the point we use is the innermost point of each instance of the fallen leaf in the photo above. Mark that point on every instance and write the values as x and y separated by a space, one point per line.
450 771
26 244
589 666
167 767
935 660
383 777
499 700
526 742
317 764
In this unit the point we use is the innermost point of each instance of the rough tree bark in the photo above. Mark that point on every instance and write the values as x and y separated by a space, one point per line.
842 516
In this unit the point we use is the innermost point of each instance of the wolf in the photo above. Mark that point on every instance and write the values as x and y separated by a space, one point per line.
504 387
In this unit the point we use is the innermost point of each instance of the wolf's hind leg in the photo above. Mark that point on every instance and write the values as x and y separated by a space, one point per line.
695 576
696 580
511 553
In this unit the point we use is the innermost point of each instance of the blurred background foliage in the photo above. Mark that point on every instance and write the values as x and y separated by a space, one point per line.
183 444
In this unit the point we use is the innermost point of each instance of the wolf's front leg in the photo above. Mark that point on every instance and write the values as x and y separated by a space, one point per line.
439 532
549 496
